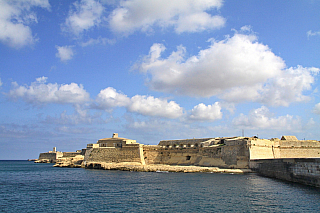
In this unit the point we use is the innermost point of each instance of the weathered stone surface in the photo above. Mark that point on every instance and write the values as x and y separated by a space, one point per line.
126 166
300 170
74 162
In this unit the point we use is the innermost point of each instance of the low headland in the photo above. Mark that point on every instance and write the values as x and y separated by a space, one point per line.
287 158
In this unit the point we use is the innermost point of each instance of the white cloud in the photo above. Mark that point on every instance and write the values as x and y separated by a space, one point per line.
206 113
87 14
144 105
233 62
261 118
289 86
0 82
236 69
97 41
183 16
65 53
310 33
109 98
41 93
148 105
316 109
15 15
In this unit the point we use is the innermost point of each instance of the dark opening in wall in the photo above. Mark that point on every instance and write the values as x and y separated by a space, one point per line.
188 157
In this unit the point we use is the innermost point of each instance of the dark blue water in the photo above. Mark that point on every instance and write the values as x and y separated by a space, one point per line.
29 187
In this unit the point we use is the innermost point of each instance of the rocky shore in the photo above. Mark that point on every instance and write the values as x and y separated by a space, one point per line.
161 168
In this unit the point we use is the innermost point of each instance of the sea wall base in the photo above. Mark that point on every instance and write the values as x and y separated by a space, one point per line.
300 170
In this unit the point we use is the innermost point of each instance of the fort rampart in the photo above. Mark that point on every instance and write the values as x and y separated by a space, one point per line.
287 158
130 153
222 155
276 149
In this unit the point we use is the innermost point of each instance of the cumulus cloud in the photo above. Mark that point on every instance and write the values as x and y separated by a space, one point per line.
86 15
40 92
183 16
109 98
65 53
236 69
15 16
206 113
262 118
148 105
289 86
144 105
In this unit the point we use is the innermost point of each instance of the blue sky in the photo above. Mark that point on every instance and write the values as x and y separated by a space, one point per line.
72 72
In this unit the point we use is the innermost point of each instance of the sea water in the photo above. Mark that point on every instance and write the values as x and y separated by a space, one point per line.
29 187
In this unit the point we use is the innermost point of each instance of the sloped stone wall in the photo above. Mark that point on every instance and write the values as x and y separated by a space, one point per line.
227 156
300 170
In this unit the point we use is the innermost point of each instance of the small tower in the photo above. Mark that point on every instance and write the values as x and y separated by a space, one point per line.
115 135
54 149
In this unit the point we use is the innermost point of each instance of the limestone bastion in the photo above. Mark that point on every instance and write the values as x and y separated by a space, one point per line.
221 152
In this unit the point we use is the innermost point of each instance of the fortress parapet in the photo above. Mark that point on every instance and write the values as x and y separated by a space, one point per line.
286 147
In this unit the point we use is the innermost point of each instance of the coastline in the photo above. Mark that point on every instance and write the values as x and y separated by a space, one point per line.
137 167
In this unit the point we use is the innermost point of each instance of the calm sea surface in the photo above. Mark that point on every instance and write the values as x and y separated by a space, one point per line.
29 187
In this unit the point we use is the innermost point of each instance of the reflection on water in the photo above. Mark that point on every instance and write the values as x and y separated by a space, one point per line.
43 188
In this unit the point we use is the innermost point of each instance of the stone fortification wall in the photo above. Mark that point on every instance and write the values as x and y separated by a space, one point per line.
183 142
50 156
227 156
71 154
305 171
108 155
263 149
275 149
